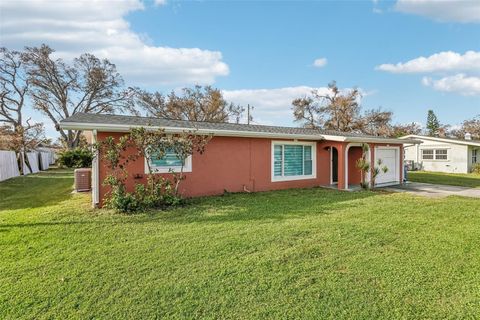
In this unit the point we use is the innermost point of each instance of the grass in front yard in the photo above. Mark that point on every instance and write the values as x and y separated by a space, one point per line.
453 179
312 253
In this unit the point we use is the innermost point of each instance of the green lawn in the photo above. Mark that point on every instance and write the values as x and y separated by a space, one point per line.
454 179
305 254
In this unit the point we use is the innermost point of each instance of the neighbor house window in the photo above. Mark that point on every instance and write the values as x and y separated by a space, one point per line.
170 161
427 154
441 154
435 154
293 161
474 156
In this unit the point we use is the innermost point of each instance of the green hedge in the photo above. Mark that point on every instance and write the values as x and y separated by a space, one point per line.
76 158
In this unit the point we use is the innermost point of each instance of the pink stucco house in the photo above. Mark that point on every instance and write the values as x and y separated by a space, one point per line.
250 158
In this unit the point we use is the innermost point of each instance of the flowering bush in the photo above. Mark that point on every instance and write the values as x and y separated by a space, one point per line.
158 192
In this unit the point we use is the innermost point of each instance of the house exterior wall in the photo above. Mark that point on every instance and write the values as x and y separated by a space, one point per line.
459 157
354 175
237 164
232 164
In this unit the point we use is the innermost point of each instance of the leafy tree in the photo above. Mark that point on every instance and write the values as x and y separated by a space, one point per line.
340 111
433 125
60 89
16 133
195 104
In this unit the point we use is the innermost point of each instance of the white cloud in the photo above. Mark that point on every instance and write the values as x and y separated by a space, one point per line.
320 62
160 2
271 106
442 10
459 83
439 62
99 27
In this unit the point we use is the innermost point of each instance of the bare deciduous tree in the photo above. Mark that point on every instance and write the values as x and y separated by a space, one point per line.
60 90
340 111
307 111
17 135
400 130
195 104
376 122
471 126
333 111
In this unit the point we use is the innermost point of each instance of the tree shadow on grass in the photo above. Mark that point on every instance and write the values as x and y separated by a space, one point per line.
276 205
272 205
36 190
44 224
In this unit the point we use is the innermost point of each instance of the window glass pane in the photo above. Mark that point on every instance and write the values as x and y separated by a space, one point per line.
307 156
293 160
427 154
170 159
277 161
441 154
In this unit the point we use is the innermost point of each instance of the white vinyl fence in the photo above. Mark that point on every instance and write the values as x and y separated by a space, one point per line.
44 160
37 160
8 165
33 161
52 156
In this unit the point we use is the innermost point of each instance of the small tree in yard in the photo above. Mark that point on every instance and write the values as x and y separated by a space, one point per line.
184 145
159 191
364 166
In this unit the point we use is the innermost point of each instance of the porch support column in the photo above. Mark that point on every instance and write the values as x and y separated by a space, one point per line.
402 165
371 146
342 170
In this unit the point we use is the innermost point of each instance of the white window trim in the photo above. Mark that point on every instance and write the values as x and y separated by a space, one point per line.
476 156
155 169
435 154
293 178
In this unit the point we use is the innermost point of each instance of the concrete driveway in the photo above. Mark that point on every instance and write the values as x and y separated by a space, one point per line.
435 190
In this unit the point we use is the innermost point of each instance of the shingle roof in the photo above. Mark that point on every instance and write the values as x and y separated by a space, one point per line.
123 120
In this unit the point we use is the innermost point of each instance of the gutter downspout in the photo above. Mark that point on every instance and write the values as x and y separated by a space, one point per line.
95 174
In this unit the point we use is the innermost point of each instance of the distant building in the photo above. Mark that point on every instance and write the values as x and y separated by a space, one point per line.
442 154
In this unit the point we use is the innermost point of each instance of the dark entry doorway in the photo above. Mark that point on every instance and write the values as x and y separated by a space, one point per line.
334 166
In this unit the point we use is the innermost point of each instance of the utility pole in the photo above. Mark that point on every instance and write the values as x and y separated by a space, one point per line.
248 113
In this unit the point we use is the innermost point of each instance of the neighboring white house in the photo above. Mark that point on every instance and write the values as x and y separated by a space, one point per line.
443 154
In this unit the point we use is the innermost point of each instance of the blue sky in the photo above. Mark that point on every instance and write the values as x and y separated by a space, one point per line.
263 53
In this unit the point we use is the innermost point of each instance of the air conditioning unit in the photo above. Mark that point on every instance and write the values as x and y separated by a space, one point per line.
83 179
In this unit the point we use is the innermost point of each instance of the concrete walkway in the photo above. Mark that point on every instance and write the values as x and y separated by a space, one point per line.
435 190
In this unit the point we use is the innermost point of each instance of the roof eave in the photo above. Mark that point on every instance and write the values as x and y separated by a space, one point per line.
382 140
223 133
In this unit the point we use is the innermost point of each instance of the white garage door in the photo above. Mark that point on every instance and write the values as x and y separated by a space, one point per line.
390 160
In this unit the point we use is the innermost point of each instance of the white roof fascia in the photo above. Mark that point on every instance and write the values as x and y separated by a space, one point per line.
461 142
217 132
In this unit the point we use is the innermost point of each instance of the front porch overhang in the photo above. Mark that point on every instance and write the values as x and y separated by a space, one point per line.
349 175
